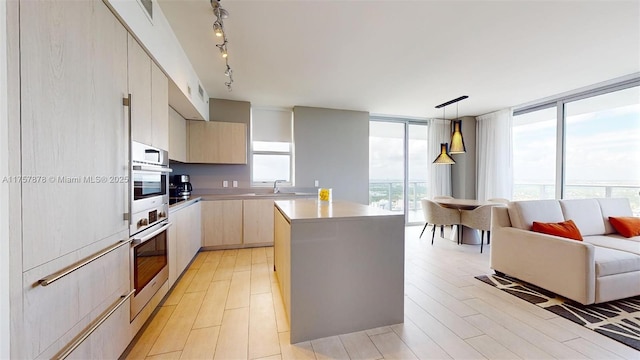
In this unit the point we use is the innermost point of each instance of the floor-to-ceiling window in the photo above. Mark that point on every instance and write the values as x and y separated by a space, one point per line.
580 146
602 138
417 170
534 154
398 166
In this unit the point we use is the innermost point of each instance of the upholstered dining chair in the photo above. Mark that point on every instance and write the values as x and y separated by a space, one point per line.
435 215
480 219
442 197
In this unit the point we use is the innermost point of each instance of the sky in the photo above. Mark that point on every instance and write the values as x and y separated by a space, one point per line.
601 147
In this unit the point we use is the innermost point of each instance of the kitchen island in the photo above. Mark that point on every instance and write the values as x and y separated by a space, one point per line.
340 266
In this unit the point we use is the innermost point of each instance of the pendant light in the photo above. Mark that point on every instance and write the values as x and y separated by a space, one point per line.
444 158
457 141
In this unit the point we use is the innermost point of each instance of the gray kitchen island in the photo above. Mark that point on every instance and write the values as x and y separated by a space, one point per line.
340 266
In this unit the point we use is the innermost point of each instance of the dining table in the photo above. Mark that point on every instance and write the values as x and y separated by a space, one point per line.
469 235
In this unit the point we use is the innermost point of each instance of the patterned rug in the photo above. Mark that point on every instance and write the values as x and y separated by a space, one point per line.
618 320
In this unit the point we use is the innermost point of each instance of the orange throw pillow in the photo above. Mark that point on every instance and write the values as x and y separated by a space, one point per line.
566 229
626 226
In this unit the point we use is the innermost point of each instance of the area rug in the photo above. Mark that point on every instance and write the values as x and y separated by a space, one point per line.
618 320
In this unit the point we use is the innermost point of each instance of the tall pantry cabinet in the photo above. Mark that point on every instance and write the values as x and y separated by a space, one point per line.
73 155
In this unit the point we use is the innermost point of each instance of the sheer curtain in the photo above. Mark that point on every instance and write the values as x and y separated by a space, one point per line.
493 155
439 175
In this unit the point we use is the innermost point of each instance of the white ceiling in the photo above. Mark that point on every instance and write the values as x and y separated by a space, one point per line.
405 57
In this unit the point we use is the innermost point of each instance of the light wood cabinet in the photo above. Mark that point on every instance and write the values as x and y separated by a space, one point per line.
77 87
222 222
183 254
217 142
177 137
257 222
139 65
186 234
149 89
195 228
172 256
282 256
73 71
72 302
159 108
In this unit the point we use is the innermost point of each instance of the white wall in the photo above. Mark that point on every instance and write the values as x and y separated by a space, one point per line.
4 190
160 41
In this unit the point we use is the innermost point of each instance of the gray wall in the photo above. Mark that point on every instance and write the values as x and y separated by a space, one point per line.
463 172
206 176
332 146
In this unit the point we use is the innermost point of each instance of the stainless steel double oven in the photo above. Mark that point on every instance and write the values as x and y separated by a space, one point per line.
149 221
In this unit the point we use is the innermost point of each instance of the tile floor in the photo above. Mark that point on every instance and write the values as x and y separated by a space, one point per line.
227 305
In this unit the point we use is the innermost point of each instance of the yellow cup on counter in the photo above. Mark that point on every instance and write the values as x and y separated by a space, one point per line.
324 195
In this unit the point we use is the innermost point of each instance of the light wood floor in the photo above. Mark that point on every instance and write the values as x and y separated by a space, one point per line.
227 305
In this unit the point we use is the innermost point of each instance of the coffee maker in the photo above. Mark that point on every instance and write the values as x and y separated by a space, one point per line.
180 187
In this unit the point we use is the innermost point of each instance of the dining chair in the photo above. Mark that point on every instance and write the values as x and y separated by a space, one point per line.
480 219
439 216
442 197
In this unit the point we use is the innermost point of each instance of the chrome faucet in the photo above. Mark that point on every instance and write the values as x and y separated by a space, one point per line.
276 189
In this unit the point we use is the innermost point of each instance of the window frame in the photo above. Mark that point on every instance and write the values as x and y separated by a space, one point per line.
559 102
290 152
262 152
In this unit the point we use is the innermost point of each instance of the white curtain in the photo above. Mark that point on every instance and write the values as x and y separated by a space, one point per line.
439 175
494 165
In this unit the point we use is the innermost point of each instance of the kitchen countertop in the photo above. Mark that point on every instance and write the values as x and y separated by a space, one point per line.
184 203
309 209
256 196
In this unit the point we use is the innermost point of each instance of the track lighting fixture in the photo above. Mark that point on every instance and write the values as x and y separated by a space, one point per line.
218 29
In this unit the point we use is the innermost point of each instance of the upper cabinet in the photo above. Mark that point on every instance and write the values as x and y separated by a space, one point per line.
159 108
149 91
217 142
140 89
155 33
177 137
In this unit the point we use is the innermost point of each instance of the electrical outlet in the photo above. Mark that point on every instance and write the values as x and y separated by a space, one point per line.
235 183
316 183
225 183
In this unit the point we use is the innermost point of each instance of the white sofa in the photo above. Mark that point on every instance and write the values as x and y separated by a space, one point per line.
604 266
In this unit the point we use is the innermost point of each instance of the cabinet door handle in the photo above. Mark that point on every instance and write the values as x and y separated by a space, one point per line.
47 280
127 102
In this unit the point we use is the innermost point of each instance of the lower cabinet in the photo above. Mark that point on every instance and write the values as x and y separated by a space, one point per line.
55 314
257 221
282 256
222 222
185 238
172 256
237 223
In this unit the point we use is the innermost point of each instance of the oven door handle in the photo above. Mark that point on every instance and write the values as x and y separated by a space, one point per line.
152 168
137 241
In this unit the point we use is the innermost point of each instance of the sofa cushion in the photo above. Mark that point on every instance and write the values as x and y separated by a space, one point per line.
566 229
614 241
524 213
626 226
613 207
586 214
611 261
